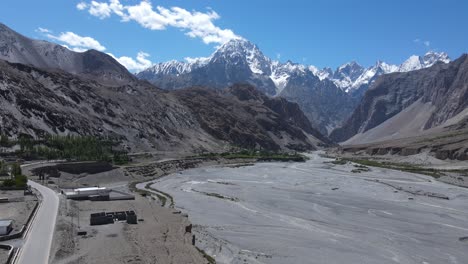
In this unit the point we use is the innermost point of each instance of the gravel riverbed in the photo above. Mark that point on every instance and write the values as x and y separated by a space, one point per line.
319 212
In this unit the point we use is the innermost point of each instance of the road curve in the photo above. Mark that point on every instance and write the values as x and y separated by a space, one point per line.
38 241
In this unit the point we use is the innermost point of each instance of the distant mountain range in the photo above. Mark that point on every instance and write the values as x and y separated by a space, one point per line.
408 103
48 89
240 54
235 98
327 97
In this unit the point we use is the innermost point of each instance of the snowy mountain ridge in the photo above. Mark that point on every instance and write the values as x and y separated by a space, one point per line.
349 77
349 81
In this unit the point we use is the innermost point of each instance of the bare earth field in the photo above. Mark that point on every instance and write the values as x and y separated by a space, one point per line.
18 210
3 255
160 238
319 212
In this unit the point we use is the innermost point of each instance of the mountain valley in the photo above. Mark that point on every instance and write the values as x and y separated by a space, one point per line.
159 132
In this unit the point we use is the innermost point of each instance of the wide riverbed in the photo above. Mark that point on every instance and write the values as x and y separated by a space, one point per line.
318 212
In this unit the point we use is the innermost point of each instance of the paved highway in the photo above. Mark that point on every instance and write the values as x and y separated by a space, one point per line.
39 237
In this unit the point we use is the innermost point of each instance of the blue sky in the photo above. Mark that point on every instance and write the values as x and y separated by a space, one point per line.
321 33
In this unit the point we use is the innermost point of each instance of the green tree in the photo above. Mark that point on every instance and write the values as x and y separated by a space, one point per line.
16 169
4 141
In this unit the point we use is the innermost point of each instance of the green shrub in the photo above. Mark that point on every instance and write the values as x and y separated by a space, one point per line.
339 162
8 183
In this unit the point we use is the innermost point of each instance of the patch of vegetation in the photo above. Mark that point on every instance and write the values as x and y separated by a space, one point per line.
326 155
258 155
210 259
17 180
74 168
79 148
20 181
3 168
5 141
217 195
399 166
360 168
224 183
339 162
432 139
460 172
161 197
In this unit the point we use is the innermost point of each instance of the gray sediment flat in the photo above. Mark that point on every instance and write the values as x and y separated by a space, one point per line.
318 212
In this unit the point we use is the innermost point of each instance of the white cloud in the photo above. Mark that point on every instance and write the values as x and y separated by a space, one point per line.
77 42
101 10
426 43
134 65
196 24
43 30
196 60
75 49
82 6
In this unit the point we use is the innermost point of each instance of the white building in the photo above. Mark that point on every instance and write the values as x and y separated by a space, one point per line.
84 193
5 227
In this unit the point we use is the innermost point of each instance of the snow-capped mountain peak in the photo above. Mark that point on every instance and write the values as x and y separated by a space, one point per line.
431 57
419 62
412 63
350 76
281 72
242 49
385 67
235 51
346 74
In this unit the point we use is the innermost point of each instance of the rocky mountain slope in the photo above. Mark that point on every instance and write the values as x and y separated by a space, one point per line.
285 109
448 143
413 101
240 61
324 104
251 122
91 64
144 118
